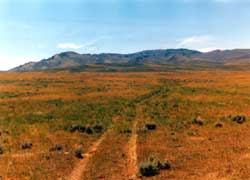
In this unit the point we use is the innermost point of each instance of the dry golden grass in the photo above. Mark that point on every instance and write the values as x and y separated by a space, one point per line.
40 107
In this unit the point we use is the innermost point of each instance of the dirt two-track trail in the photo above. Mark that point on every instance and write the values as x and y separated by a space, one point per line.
132 153
79 170
132 164
81 167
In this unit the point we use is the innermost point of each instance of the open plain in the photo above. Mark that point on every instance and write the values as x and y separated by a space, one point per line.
103 118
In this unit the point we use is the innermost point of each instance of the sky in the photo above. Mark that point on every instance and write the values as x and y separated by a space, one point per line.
31 30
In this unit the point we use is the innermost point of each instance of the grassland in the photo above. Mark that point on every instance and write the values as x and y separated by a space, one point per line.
42 108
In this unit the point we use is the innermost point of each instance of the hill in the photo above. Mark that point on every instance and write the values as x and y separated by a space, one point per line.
73 59
177 57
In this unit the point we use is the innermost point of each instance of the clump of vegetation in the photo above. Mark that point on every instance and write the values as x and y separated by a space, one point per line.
151 126
239 119
88 130
98 128
149 169
78 153
166 165
26 145
126 131
77 128
57 147
147 127
142 129
153 166
198 121
193 132
218 125
1 150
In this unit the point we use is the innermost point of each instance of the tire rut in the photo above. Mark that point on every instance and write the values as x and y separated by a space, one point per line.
132 153
80 168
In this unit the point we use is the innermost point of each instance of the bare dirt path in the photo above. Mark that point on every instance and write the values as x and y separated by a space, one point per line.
79 170
132 154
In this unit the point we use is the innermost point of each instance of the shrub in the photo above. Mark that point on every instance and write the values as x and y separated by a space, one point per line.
198 121
57 147
151 126
142 129
153 166
218 125
239 119
77 128
26 145
126 131
149 169
165 165
1 150
78 153
98 128
89 130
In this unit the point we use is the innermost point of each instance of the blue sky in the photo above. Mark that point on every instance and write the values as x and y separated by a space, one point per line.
31 30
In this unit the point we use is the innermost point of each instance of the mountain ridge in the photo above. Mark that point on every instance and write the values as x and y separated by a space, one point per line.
71 59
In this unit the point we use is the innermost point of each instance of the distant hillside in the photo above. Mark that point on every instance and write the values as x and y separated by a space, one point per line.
224 55
73 59
177 57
